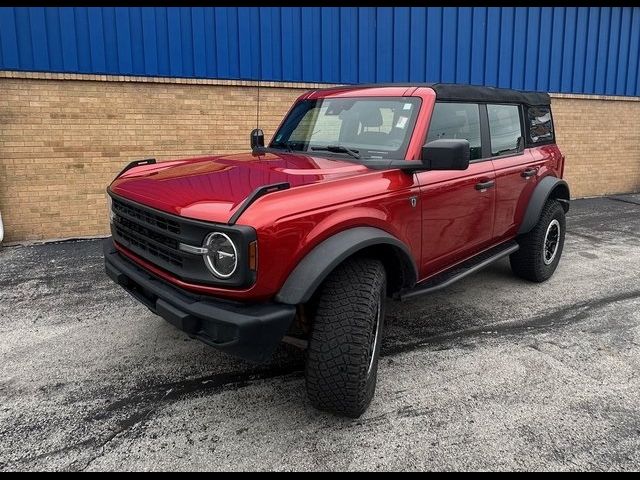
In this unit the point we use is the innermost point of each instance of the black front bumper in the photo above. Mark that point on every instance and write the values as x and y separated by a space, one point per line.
249 331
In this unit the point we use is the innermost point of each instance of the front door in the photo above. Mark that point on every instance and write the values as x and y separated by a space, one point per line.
457 206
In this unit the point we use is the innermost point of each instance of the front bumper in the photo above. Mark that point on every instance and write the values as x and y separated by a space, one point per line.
248 331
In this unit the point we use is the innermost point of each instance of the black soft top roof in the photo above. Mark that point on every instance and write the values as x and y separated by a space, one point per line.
472 93
475 93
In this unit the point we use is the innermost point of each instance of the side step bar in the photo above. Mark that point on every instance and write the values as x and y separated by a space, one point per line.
460 271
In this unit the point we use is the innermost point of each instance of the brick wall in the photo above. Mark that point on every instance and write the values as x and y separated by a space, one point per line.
600 138
63 141
63 138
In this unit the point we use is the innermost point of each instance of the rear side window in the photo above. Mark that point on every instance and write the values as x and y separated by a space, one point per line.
540 124
457 120
505 129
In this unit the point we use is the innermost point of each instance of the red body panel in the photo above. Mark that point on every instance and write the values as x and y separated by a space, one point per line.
513 191
211 188
450 222
457 218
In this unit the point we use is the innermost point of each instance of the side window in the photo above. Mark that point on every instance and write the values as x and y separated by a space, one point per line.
505 129
540 124
457 120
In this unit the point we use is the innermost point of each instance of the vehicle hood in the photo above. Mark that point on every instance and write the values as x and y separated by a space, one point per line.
211 188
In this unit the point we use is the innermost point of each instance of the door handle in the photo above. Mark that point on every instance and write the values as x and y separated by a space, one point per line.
529 172
484 185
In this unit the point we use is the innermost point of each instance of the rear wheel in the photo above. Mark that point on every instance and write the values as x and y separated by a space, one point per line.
541 248
344 345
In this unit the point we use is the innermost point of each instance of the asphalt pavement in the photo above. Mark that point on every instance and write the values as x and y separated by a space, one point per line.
492 373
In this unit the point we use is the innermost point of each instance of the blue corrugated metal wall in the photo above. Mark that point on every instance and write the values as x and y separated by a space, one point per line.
559 49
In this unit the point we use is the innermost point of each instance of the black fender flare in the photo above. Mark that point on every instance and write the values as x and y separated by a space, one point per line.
307 276
547 187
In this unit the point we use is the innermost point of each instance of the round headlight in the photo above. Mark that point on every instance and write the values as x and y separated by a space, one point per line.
222 259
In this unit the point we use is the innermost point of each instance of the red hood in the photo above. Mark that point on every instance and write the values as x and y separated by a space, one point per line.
210 188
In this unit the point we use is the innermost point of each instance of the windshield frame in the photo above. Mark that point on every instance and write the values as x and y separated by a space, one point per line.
307 148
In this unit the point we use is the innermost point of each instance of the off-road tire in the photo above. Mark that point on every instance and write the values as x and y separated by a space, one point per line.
344 345
528 262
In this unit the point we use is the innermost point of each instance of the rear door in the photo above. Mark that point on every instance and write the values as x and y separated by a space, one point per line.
516 169
457 206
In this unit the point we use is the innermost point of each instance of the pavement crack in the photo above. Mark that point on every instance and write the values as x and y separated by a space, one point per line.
624 200
93 443
211 384
586 236
123 427
172 391
153 398
558 318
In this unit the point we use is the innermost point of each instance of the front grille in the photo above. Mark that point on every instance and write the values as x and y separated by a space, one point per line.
149 234
144 232
147 217
150 242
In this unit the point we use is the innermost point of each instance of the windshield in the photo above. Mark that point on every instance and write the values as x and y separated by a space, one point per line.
357 127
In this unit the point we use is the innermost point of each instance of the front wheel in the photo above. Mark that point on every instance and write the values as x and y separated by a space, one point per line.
541 248
342 358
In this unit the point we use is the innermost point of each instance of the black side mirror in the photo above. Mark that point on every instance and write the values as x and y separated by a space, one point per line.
257 138
446 154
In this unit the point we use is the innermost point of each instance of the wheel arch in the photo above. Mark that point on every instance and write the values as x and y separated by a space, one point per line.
308 275
548 188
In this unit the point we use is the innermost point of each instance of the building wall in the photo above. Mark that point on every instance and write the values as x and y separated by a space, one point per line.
124 83
62 141
600 137
590 50
63 138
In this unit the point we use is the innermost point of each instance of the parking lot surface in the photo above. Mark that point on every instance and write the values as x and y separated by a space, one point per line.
491 373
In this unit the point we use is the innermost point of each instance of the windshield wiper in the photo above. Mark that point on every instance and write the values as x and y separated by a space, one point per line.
339 149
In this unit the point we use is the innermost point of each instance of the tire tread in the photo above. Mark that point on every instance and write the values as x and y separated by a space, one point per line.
337 357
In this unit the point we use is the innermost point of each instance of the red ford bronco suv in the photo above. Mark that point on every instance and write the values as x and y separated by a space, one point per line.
365 193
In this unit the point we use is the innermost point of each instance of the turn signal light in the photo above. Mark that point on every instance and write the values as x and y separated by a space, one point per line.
253 256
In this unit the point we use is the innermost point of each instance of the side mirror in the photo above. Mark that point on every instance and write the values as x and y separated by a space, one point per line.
257 138
446 154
